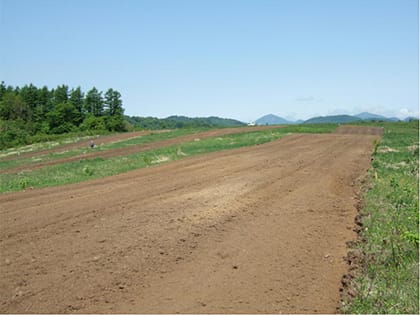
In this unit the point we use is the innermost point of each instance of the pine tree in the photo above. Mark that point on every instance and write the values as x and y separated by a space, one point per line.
29 94
45 104
61 94
77 99
94 103
2 89
113 103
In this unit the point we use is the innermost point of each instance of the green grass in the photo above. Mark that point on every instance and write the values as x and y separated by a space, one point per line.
74 172
153 137
40 142
388 281
38 146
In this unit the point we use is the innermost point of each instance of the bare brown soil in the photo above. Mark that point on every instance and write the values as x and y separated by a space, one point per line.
260 229
131 149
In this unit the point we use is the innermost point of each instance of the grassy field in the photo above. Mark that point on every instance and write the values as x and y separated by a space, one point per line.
388 279
38 146
153 137
85 169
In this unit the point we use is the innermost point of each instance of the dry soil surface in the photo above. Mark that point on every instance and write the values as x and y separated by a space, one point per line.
260 229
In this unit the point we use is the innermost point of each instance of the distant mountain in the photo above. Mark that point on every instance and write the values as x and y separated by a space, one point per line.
411 119
271 119
173 122
211 121
336 119
370 116
374 117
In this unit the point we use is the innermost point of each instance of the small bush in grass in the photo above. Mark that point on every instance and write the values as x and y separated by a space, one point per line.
147 160
88 171
23 183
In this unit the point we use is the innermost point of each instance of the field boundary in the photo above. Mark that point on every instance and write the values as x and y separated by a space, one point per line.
383 262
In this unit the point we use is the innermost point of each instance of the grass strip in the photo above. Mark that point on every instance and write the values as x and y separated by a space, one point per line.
38 146
387 280
78 171
153 137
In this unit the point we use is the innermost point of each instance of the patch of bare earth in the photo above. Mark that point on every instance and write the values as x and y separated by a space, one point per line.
260 229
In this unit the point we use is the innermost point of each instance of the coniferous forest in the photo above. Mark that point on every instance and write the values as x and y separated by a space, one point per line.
29 112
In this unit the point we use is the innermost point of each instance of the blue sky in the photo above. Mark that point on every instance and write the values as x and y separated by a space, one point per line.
231 58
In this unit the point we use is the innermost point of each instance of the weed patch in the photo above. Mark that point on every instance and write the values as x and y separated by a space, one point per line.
387 280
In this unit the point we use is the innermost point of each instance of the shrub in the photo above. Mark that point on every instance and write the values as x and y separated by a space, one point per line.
93 123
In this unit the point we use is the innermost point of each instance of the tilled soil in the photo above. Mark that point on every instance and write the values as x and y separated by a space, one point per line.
260 229
129 149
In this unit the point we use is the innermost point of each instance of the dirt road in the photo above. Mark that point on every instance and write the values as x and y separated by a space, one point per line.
261 229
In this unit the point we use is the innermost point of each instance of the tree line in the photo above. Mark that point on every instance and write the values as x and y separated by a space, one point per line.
173 122
29 111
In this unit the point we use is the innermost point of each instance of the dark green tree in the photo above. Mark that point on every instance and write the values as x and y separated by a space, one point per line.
64 118
114 111
12 132
13 107
2 89
61 94
93 123
113 103
77 99
45 102
94 103
27 111
29 94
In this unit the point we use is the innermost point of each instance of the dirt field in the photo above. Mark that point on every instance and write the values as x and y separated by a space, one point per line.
126 150
260 229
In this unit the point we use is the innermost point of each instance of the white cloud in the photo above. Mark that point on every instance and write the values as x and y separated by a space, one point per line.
388 112
404 112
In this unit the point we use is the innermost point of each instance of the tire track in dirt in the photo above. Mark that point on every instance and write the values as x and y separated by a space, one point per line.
254 230
133 148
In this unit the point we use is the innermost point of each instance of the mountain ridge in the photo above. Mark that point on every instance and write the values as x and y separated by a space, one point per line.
337 119
272 119
182 122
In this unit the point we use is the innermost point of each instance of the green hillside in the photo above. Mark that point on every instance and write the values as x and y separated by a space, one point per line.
172 122
337 119
271 119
